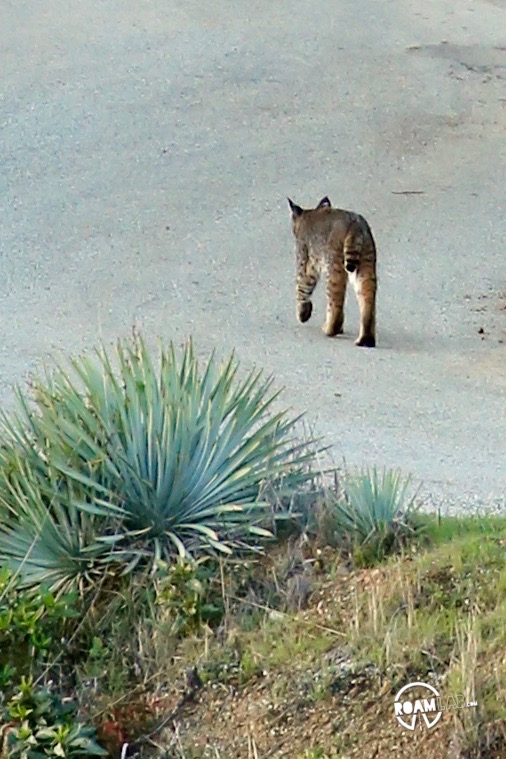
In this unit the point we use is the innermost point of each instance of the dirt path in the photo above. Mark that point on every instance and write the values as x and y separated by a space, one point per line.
146 155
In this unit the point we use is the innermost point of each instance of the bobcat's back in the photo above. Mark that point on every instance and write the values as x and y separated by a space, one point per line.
333 234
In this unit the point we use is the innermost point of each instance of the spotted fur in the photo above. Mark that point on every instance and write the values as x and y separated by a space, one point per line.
340 244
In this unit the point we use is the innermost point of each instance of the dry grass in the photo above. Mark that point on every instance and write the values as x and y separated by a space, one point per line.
316 677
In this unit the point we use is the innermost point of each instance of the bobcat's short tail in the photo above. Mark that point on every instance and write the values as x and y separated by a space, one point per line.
352 247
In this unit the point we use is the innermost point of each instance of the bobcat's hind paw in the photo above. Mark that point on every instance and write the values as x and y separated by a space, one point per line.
304 311
366 341
332 330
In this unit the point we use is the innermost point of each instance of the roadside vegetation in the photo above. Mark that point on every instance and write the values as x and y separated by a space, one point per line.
179 579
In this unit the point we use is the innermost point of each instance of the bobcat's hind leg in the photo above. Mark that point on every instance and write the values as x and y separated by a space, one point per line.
365 288
307 280
336 293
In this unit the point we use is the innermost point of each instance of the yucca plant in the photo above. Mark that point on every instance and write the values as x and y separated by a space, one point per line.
374 514
123 460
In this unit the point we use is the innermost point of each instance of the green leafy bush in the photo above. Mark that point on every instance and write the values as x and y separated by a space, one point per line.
30 625
116 467
184 588
36 723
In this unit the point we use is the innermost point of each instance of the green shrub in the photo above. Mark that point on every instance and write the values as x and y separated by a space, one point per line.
30 626
36 723
183 588
115 468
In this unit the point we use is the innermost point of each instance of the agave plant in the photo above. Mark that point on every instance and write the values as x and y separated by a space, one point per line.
374 513
50 542
125 461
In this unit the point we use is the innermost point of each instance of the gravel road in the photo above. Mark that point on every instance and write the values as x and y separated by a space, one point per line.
147 150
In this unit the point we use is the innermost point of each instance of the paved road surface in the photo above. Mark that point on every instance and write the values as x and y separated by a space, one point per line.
147 149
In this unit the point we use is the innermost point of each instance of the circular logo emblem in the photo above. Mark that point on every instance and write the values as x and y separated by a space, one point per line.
410 706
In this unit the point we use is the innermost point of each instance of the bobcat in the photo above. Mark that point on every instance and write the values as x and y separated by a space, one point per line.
340 243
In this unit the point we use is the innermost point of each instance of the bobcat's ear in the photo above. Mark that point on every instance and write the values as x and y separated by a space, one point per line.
296 210
324 203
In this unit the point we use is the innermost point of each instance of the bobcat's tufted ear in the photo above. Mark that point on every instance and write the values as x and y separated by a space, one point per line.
296 210
324 203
